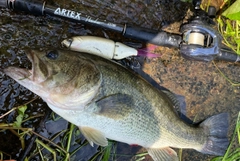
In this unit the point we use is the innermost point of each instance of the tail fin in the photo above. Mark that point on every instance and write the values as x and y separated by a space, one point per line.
216 128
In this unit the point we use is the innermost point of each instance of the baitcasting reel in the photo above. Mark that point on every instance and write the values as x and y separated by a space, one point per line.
201 41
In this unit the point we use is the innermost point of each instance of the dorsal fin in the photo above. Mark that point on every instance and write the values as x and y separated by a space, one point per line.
179 105
175 101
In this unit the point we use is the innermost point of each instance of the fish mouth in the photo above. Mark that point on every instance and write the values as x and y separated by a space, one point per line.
17 73
21 73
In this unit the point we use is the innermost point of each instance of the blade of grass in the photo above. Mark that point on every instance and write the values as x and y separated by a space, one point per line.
84 144
180 154
48 148
107 151
14 108
229 80
70 137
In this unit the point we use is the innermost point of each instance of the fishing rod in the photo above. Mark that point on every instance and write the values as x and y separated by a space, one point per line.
142 34
198 41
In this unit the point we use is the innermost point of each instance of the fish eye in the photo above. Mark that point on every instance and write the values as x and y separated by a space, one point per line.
52 55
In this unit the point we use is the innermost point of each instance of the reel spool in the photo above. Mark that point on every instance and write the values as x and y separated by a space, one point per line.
196 39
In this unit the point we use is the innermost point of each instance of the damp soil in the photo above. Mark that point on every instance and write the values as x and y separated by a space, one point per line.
205 90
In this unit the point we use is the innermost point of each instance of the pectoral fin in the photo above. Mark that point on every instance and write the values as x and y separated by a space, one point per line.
115 106
94 136
163 154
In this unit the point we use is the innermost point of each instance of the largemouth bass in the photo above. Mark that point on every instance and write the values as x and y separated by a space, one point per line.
107 101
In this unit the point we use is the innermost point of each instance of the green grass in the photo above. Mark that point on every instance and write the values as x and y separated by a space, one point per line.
230 31
229 24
